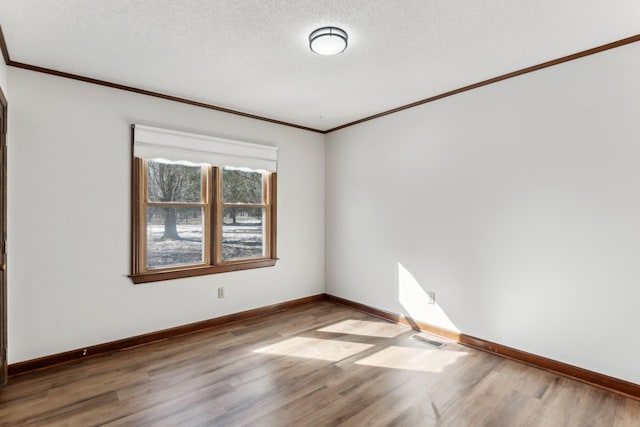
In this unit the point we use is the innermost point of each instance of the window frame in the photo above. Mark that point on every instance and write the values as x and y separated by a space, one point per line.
213 237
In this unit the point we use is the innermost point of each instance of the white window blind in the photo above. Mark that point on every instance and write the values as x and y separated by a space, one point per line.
156 143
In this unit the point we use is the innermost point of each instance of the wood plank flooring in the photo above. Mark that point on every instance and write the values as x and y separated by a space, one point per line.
316 365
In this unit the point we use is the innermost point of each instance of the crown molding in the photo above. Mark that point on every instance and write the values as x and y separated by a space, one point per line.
554 62
63 74
3 48
157 95
500 78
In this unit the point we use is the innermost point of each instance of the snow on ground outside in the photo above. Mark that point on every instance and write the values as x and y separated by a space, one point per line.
238 241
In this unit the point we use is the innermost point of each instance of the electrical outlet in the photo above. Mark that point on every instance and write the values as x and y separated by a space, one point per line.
431 297
220 292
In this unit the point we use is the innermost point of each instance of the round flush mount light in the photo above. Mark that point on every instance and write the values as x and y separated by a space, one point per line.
328 41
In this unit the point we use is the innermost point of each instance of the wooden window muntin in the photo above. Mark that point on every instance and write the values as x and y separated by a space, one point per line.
212 234
222 205
204 204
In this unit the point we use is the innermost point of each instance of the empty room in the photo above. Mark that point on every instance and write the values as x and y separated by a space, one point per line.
320 213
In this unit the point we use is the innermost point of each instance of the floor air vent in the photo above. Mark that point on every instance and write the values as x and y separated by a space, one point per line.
427 340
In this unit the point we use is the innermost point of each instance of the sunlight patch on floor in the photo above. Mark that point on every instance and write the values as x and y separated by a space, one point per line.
314 348
414 359
366 328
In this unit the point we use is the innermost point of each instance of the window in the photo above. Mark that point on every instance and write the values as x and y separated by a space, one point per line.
196 209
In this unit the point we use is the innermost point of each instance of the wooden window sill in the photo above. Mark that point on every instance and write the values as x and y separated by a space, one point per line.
156 276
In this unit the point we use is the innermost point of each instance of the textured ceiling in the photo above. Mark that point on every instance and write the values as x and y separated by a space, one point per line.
253 55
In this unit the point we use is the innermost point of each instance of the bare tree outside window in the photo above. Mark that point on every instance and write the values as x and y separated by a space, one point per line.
244 213
175 220
173 183
193 219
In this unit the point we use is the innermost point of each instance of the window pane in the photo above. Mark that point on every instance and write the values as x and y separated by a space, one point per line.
243 233
174 236
173 182
241 186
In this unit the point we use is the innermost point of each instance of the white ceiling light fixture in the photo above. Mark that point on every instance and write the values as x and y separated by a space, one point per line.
328 41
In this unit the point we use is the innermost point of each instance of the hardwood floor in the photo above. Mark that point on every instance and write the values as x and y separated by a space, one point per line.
317 365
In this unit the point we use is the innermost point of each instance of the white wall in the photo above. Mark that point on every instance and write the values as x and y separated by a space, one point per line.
3 76
517 203
69 218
